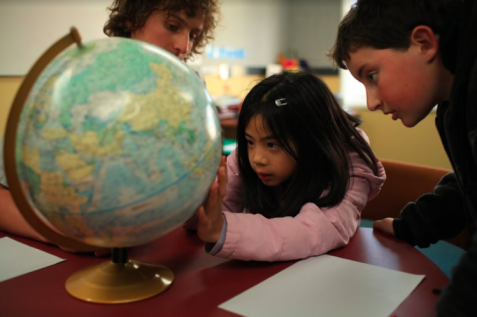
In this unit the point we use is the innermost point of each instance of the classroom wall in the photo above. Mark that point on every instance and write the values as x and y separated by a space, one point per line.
304 29
265 26
260 28
313 29
29 27
389 139
8 90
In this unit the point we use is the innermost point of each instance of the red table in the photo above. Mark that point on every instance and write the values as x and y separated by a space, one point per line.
202 281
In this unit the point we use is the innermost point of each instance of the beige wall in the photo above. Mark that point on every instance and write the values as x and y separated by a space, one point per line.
389 139
240 85
8 89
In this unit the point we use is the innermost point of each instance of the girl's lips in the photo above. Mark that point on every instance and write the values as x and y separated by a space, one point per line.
264 176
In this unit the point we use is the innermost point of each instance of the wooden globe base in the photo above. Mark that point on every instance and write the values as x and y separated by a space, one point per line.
116 283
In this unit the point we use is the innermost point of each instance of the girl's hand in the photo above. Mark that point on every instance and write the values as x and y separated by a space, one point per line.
385 225
210 219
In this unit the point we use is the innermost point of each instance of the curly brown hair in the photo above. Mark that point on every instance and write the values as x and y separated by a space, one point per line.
136 12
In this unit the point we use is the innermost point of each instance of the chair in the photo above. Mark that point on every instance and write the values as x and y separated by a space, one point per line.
405 183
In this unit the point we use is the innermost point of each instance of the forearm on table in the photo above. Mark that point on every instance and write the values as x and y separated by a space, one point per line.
11 220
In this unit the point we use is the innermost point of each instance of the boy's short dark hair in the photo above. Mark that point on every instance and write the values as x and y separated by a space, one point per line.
385 24
136 12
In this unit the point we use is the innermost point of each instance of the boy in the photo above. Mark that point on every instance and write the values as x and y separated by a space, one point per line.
411 55
182 27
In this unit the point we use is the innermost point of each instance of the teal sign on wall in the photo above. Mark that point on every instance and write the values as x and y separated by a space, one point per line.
224 52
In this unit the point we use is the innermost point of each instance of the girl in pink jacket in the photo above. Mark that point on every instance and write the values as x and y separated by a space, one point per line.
298 180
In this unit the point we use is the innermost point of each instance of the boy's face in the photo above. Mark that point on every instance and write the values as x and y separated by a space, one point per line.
398 82
173 31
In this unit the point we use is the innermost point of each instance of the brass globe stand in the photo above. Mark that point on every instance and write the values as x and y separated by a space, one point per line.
119 281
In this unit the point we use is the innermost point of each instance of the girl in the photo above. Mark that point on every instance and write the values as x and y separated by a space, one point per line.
298 180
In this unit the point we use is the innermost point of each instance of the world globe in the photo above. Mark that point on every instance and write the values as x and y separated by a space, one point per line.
116 144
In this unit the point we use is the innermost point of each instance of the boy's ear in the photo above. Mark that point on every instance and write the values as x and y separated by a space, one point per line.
424 38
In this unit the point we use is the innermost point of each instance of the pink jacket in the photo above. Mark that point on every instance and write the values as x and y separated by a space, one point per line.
313 231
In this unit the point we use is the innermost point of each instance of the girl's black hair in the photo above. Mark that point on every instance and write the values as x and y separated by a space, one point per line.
314 130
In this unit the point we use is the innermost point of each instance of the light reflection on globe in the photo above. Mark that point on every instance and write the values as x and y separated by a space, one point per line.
117 144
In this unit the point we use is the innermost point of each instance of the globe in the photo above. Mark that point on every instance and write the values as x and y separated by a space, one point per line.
117 143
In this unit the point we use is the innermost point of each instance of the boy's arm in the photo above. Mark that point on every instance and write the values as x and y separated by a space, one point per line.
434 216
11 220
458 298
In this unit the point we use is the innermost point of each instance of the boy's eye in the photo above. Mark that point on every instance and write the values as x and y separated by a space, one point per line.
192 36
372 77
172 27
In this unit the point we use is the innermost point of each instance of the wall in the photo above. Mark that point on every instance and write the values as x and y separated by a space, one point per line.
258 26
300 28
265 27
8 90
29 27
240 85
313 29
391 140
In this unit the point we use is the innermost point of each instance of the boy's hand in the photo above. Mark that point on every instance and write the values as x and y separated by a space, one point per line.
385 225
210 219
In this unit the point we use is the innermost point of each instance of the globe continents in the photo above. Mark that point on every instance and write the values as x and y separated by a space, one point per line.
117 143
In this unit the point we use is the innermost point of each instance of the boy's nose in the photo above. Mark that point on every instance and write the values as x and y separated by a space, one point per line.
373 101
182 44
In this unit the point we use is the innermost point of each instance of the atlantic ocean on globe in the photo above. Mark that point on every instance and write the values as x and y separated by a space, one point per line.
117 144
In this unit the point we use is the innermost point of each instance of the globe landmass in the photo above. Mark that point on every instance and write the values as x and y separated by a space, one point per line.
117 144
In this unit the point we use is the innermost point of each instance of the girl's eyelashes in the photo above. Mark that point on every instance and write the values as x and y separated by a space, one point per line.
249 142
273 145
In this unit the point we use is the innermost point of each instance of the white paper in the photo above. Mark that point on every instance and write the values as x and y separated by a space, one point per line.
17 259
326 286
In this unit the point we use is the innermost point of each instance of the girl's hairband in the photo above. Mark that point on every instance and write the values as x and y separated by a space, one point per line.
281 102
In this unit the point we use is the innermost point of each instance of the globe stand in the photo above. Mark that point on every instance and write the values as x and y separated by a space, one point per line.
119 281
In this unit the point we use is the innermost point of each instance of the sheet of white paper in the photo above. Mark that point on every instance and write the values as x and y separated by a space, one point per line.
18 258
326 286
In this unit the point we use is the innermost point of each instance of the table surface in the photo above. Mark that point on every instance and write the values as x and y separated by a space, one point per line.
202 282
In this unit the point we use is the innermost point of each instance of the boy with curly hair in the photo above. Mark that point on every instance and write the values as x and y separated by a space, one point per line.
182 27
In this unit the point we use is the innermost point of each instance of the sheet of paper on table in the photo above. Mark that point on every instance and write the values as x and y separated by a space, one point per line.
17 259
326 286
